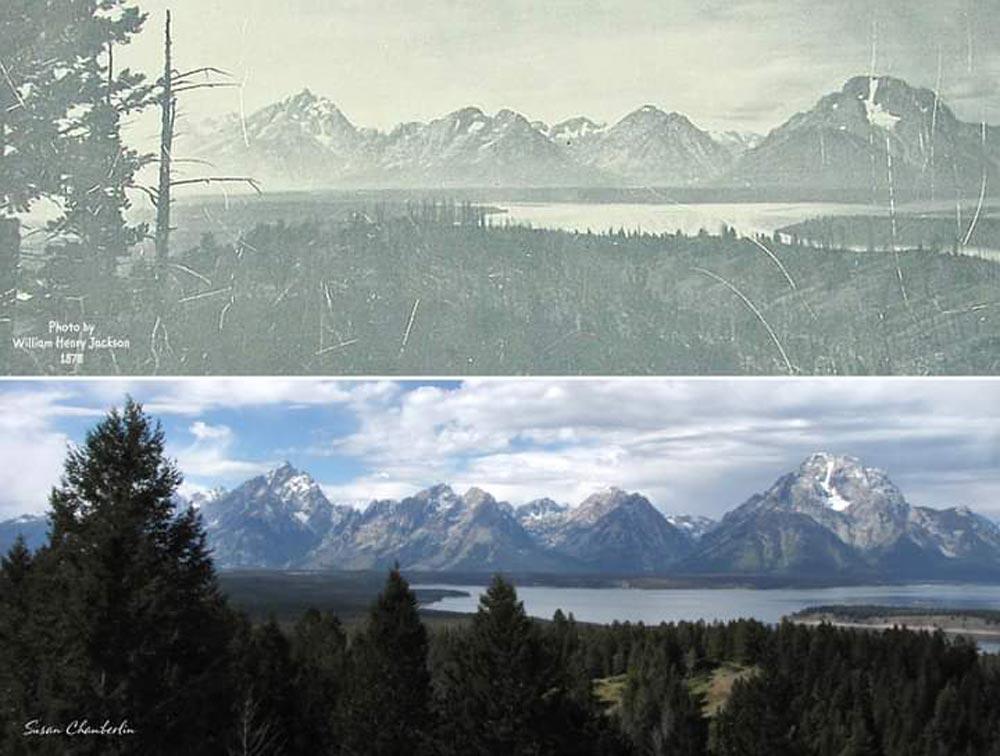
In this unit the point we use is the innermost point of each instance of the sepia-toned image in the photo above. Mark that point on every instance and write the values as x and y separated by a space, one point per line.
513 188
728 566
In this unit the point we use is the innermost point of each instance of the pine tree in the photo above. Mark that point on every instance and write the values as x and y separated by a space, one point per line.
16 652
505 691
387 707
319 649
130 624
60 109
658 713
267 700
862 741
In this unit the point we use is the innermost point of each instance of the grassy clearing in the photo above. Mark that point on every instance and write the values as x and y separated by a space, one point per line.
716 686
609 692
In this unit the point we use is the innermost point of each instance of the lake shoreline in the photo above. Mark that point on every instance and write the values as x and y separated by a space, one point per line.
652 606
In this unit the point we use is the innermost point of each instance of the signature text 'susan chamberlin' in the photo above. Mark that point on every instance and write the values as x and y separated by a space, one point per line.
35 728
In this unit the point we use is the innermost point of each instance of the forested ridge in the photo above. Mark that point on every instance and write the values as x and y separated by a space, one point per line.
119 619
420 294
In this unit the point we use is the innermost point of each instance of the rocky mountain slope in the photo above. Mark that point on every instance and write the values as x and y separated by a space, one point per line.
832 518
305 141
875 132
33 528
269 521
834 515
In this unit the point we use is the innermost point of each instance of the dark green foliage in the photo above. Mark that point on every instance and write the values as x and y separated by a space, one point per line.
266 715
17 662
126 620
387 708
118 617
504 692
658 713
841 692
859 612
319 650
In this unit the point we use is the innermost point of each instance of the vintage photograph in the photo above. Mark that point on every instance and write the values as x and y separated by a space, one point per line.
512 378
516 188
543 566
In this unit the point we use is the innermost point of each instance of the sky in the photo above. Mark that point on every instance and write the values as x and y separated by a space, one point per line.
727 64
697 446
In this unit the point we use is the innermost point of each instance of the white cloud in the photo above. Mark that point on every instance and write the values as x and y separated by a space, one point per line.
31 448
196 396
209 455
699 446
691 445
360 491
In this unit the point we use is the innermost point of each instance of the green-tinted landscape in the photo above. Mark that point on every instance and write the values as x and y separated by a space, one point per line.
431 288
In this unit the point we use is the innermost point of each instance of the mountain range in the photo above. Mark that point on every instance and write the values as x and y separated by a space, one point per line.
832 518
875 131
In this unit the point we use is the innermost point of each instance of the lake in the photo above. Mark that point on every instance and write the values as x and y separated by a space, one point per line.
652 606
746 217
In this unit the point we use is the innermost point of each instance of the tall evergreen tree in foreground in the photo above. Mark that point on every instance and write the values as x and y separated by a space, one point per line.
128 624
319 649
504 691
659 714
17 664
61 103
387 709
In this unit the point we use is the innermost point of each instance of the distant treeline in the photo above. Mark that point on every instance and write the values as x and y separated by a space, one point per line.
872 611
434 288
937 233
118 621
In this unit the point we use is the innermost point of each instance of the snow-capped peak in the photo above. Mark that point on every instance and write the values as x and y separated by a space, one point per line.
841 482
541 509
875 111
694 525
835 500
297 492
570 130
598 505
476 497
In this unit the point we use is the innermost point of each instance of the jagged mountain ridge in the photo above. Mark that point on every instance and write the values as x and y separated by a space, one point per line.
305 141
832 517
875 131
270 520
649 145
33 528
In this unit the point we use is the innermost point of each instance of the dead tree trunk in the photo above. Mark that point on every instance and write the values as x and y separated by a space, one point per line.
10 247
167 106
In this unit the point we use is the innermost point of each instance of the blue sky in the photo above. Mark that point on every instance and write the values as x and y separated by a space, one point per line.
697 446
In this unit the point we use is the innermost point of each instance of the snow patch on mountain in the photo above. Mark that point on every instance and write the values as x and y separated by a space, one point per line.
876 113
836 502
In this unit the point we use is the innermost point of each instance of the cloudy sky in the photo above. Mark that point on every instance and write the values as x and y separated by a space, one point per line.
745 64
697 446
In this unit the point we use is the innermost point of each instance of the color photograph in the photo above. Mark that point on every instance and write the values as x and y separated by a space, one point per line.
769 566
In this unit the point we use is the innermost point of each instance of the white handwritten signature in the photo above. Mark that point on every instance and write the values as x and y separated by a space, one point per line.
35 728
